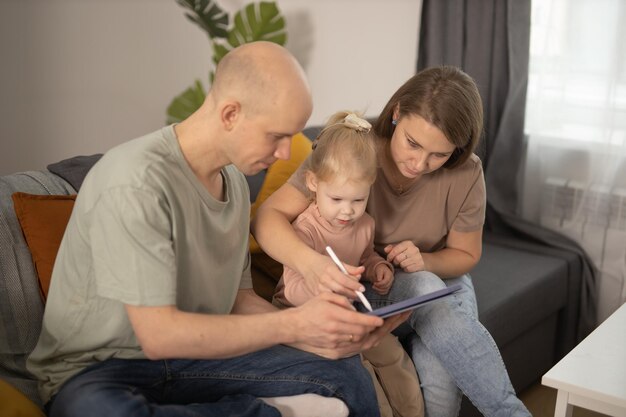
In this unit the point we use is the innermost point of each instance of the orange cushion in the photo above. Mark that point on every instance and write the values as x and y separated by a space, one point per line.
43 219
278 173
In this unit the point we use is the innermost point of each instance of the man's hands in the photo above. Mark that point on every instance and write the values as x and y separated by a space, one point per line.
328 320
329 326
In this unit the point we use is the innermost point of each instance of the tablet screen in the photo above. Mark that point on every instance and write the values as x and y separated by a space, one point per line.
414 302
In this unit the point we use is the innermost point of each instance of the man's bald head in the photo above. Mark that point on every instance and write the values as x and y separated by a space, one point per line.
259 74
259 99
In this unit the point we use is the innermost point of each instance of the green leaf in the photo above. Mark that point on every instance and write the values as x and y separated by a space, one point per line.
208 15
219 51
186 103
255 22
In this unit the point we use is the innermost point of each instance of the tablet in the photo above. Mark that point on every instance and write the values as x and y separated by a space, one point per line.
414 302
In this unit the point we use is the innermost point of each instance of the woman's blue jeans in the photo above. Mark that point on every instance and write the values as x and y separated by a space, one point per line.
450 348
227 387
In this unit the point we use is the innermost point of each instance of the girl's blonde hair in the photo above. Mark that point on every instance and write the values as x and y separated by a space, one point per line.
345 149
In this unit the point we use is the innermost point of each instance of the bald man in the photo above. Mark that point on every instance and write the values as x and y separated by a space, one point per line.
151 309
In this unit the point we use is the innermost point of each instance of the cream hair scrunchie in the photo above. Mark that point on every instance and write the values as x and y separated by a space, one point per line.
355 122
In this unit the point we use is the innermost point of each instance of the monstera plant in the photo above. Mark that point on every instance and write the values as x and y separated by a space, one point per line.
254 22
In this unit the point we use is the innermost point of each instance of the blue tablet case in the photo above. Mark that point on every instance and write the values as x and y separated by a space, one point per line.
414 302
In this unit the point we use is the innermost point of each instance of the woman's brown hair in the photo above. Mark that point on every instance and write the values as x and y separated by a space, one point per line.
447 98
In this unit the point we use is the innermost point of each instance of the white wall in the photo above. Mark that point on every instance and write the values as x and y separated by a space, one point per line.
80 76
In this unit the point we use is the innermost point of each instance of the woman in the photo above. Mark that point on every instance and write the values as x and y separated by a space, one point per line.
428 203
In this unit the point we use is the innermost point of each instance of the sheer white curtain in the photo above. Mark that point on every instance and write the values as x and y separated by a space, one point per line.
575 177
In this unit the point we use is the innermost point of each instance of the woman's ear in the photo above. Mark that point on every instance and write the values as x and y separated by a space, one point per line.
311 181
230 113
396 112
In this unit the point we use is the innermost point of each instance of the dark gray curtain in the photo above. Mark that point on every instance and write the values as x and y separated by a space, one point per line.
489 39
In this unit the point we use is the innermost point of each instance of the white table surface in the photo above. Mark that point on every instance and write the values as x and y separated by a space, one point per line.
593 374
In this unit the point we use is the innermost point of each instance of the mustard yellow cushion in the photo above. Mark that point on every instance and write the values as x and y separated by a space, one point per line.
277 174
15 404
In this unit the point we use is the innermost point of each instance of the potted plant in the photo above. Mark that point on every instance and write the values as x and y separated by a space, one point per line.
254 22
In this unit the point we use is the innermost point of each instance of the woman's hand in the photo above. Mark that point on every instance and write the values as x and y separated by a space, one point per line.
406 256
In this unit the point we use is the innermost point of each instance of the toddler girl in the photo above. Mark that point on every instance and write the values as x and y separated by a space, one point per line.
342 170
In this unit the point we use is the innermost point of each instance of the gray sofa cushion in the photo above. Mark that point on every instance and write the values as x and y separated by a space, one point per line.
516 289
572 276
74 170
21 308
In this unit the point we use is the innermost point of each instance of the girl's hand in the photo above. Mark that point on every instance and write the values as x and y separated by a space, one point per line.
406 256
325 276
383 279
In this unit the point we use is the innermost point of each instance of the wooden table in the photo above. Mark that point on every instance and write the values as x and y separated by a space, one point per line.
593 374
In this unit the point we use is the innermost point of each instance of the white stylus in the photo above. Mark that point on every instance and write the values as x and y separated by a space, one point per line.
343 269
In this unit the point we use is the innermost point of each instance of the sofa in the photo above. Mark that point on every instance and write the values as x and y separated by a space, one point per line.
528 294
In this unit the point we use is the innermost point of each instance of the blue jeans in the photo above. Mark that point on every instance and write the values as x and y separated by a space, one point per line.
450 348
227 387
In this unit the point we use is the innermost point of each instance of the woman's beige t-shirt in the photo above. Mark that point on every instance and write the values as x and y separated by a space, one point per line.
444 200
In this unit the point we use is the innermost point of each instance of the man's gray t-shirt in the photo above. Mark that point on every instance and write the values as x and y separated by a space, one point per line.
144 231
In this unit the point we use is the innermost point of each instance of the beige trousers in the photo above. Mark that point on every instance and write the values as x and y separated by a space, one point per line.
395 379
397 386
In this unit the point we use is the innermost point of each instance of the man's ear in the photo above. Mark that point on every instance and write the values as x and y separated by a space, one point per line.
311 181
230 113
